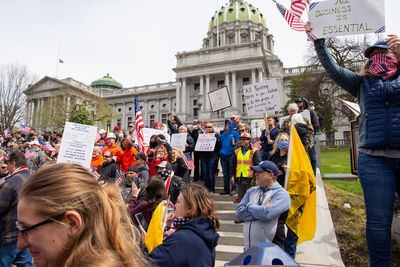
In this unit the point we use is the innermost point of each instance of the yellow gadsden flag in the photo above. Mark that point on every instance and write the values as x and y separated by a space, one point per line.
301 186
154 235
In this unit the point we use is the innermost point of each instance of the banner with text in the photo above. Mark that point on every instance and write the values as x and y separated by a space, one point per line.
206 142
219 99
77 144
262 98
345 17
179 141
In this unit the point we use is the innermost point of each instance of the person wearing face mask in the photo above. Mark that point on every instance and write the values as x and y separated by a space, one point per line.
377 88
279 156
39 159
165 171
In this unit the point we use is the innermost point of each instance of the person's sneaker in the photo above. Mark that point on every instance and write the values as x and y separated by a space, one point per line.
237 200
238 221
232 193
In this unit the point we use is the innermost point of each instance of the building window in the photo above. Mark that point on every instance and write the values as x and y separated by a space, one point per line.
196 112
194 102
119 123
164 105
108 124
164 118
231 40
152 106
220 83
196 86
152 120
141 107
221 114
246 80
129 120
130 108
119 110
244 39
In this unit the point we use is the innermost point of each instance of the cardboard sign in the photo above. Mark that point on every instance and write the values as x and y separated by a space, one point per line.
262 98
179 141
206 142
345 17
148 132
305 114
77 144
219 99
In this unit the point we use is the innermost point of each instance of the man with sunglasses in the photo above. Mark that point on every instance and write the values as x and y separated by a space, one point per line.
19 173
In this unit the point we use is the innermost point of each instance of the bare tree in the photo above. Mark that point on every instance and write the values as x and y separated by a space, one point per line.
14 79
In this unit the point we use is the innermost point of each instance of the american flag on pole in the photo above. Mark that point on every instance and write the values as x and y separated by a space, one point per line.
297 7
120 178
47 147
95 174
139 125
257 145
24 128
188 161
294 22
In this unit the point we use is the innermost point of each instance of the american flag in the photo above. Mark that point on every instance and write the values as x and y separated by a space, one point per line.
5 133
294 22
47 147
378 66
95 174
139 125
297 7
24 128
97 137
29 154
188 161
257 145
120 178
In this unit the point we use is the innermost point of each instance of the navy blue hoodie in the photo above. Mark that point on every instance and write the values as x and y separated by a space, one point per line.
227 145
192 245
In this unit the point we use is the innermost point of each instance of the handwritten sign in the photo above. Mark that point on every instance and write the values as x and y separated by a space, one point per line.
206 142
262 98
77 144
148 132
179 141
345 17
219 99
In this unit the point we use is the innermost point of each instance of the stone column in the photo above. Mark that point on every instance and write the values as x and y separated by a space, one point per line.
260 75
123 119
207 104
253 76
234 91
184 102
178 97
227 79
237 37
201 92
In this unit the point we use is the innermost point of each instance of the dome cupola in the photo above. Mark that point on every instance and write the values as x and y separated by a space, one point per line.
107 83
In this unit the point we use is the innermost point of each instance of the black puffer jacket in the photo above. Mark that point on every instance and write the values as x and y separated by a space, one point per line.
109 172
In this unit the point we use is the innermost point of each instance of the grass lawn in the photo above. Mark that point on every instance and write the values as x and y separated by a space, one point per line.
349 186
335 160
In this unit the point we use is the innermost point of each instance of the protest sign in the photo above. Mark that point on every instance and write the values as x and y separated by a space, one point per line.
262 98
77 144
148 132
345 17
179 141
305 114
219 99
206 142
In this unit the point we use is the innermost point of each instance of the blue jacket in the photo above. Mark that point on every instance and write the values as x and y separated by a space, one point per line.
379 101
227 146
273 133
192 245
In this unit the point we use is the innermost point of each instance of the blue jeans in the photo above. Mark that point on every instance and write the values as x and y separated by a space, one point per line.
9 254
226 164
379 177
291 243
209 168
313 155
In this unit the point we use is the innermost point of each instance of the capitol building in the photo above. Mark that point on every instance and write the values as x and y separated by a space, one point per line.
237 50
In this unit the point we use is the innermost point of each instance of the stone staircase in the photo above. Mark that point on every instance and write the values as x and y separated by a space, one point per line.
231 241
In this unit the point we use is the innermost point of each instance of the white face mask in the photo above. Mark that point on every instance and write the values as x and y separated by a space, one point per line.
313 108
121 135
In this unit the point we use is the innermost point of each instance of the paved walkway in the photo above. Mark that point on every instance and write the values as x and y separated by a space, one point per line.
323 250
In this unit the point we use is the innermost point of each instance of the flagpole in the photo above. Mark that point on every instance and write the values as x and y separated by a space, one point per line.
58 59
217 26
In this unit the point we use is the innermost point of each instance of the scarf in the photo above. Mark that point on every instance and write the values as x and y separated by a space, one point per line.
176 224
165 174
383 66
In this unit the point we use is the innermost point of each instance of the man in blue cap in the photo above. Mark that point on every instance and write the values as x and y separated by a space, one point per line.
262 206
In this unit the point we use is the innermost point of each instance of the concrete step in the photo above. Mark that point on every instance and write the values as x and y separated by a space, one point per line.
227 252
218 197
226 205
230 226
231 238
220 263
226 214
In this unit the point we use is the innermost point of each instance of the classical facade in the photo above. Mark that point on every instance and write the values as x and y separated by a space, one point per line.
237 50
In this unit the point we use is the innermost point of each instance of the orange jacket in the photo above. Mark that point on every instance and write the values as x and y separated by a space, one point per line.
96 162
117 152
128 158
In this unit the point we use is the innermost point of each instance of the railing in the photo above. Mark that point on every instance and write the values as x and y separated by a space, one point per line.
140 89
335 143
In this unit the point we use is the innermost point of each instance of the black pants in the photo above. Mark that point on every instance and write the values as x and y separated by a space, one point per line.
197 169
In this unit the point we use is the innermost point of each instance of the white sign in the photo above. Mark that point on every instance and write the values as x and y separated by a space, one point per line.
219 99
345 17
179 141
148 132
77 144
206 142
305 114
262 98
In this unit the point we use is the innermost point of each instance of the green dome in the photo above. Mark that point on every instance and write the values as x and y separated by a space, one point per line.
237 10
106 83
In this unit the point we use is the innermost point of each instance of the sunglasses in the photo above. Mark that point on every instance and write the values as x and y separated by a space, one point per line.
208 127
24 231
3 167
107 156
241 131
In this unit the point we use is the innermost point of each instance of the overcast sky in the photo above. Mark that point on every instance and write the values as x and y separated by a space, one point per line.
134 41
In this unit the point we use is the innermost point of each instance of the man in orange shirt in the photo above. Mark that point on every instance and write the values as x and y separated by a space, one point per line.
113 147
97 158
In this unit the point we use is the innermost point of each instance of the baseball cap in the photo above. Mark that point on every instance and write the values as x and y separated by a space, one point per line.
378 44
116 128
141 155
34 142
164 164
102 131
132 169
245 135
266 166
111 135
131 125
156 124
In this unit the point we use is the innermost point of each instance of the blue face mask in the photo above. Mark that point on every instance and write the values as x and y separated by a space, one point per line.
283 145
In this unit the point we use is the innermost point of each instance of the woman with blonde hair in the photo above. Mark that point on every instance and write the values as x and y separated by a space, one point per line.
66 218
192 237
178 164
